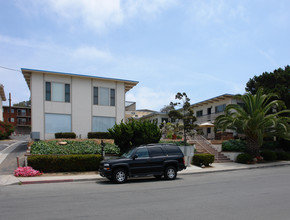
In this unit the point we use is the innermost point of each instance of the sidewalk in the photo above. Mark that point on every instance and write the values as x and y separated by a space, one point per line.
93 176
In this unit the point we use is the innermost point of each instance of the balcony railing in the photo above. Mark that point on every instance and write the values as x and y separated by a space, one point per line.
209 117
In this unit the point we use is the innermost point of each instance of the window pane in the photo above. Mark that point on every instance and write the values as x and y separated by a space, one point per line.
112 97
102 124
143 152
156 151
58 92
48 91
67 92
104 96
57 123
96 94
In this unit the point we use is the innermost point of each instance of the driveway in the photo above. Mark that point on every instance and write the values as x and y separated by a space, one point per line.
9 151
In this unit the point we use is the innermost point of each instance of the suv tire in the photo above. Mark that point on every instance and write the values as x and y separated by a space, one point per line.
119 176
170 173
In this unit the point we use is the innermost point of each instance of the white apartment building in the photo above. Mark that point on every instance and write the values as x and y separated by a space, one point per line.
208 110
66 102
2 98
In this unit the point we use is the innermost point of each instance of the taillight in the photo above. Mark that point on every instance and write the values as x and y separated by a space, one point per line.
183 160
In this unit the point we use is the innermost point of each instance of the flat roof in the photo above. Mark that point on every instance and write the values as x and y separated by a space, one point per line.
129 84
2 93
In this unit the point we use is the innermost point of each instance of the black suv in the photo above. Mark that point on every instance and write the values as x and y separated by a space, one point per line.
147 160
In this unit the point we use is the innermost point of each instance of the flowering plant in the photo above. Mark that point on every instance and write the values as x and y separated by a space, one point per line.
26 171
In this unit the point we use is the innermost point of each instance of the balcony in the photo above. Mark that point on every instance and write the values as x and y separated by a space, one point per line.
209 117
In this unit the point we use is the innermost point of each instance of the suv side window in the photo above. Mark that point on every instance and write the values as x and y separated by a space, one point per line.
142 152
156 152
172 150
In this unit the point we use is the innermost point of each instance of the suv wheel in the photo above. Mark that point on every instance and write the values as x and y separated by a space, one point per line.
119 176
170 173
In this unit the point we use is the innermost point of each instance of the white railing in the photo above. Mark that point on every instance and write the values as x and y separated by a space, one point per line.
206 145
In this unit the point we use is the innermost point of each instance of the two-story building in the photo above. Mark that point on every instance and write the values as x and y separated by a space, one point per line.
208 110
66 102
19 116
2 98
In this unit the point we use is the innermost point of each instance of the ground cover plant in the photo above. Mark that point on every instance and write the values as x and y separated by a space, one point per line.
26 172
72 147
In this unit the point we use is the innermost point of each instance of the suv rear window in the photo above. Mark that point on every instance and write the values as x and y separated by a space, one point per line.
156 151
172 150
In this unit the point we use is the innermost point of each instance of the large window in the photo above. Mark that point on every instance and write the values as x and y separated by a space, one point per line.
57 92
57 123
220 108
102 124
104 96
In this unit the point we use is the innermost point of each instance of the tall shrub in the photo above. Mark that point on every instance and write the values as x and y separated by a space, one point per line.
135 133
5 130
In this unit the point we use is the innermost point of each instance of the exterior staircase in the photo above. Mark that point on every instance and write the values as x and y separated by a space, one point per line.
202 145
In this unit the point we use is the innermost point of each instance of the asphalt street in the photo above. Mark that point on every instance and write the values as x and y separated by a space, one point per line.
247 195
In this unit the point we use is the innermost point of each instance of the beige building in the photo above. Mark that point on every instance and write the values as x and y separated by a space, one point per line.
131 111
2 98
207 111
65 102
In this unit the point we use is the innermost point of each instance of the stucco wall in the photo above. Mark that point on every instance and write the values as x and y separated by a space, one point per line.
81 106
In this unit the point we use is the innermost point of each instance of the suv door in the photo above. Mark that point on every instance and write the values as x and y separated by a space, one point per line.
139 165
157 158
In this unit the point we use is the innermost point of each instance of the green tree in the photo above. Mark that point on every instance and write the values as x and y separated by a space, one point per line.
185 113
277 82
257 118
135 133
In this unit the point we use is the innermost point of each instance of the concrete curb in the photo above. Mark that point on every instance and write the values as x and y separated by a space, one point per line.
185 173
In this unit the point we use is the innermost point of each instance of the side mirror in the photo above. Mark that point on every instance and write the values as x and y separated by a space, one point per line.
135 156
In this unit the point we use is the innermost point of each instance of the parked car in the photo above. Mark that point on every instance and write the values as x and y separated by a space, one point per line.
147 160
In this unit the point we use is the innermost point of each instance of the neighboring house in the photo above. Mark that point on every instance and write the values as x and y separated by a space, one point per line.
205 111
2 98
158 117
131 111
20 117
65 102
208 110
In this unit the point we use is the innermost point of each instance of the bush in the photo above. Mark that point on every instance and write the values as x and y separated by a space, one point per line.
178 143
99 135
72 147
65 163
65 135
5 129
203 159
270 145
135 133
234 145
269 155
244 158
283 155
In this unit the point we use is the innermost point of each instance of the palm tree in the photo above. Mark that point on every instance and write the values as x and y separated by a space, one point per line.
259 116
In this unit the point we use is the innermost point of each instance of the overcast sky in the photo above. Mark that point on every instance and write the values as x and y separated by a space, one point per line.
205 48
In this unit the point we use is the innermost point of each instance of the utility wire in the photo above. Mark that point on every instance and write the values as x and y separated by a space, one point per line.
3 67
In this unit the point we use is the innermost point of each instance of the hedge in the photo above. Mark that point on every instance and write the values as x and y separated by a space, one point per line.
234 145
99 135
65 135
244 158
203 159
269 155
65 163
283 155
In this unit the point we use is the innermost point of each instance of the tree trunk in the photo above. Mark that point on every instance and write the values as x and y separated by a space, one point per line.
253 147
